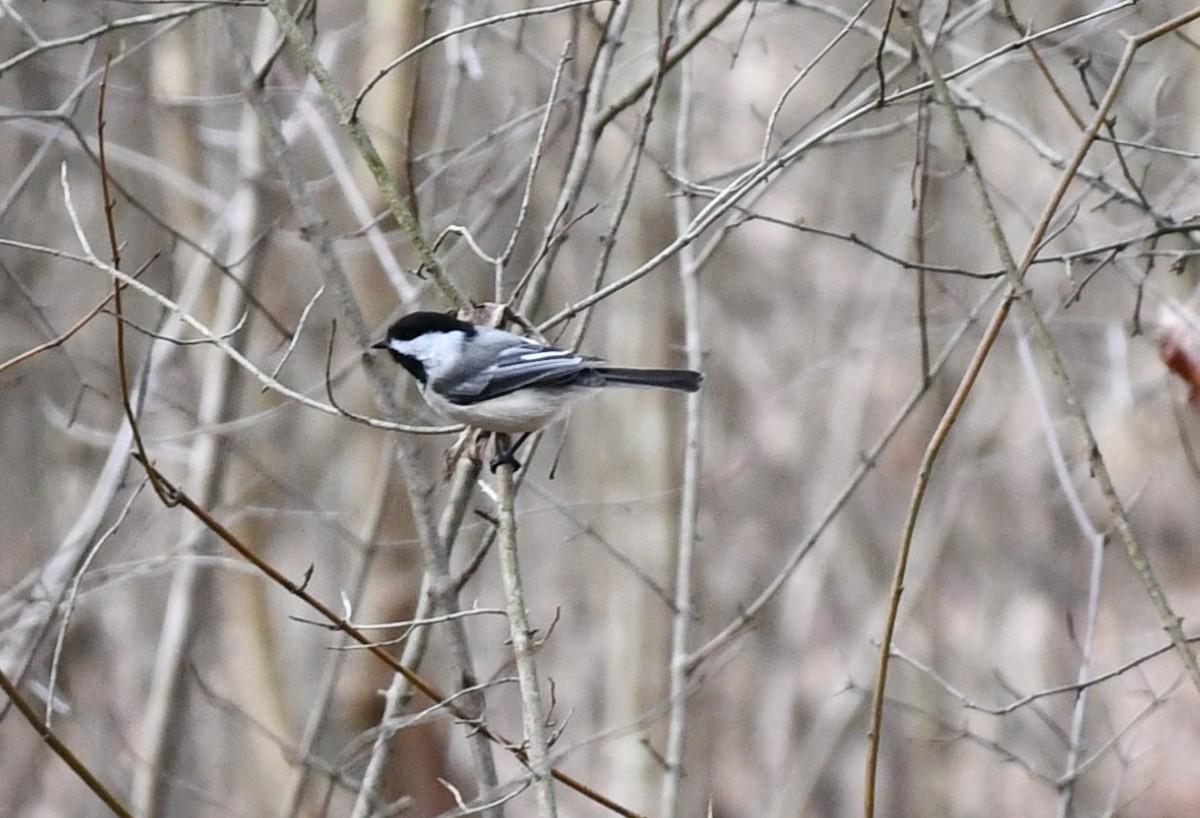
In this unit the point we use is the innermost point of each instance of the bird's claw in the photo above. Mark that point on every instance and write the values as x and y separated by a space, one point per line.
505 458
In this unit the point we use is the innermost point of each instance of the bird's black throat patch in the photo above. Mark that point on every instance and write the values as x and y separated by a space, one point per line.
414 366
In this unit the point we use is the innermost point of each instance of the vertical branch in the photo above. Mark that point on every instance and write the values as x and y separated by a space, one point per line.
921 195
534 162
689 504
114 250
621 206
582 153
217 397
1095 541
533 715
330 675
388 26
400 691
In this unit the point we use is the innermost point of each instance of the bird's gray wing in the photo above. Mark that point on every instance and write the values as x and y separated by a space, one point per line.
520 365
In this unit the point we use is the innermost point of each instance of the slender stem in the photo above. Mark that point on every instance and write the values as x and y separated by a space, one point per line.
533 714
323 698
689 505
1095 541
61 749
397 204
582 154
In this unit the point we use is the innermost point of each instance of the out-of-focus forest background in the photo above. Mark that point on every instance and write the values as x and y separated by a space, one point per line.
820 204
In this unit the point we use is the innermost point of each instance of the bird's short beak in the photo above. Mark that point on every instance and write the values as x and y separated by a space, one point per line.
382 343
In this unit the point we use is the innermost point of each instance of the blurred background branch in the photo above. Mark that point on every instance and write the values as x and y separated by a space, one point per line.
775 193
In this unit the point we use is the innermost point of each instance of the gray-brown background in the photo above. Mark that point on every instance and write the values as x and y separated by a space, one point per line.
185 680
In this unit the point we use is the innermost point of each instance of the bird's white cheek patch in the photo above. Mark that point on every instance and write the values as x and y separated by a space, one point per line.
436 350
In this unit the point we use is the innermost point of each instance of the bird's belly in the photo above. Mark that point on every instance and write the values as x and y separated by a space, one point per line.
525 410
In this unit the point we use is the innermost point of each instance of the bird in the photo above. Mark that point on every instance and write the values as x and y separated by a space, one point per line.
506 383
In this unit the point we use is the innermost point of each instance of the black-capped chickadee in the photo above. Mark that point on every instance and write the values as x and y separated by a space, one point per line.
500 382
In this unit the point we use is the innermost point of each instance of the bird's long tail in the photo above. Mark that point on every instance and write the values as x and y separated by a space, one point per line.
685 380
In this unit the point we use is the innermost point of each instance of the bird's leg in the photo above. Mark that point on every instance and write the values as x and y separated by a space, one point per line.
505 454
470 444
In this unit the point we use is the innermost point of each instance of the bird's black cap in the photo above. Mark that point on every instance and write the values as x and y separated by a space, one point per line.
416 324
